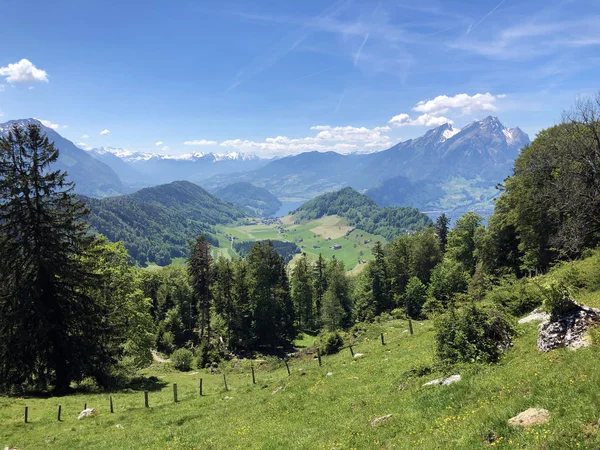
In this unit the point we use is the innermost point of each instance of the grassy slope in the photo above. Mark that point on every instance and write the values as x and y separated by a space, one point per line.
314 410
314 232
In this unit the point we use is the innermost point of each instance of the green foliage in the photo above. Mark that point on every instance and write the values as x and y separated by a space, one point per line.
156 224
287 250
54 331
182 359
331 342
472 334
362 212
558 298
302 293
337 302
517 297
207 355
464 239
415 297
447 279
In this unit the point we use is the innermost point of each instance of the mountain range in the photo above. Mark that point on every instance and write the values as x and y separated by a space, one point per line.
446 170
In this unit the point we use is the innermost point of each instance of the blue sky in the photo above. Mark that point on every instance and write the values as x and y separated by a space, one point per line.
281 77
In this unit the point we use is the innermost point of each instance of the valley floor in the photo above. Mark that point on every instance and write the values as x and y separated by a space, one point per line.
332 406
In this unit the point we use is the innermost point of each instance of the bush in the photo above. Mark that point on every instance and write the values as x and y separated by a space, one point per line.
331 343
207 354
518 297
415 297
182 359
558 299
472 334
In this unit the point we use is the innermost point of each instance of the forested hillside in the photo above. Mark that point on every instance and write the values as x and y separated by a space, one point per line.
362 212
255 200
156 224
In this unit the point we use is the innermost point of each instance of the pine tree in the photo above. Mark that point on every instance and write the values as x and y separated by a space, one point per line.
53 332
441 229
200 271
302 292
319 284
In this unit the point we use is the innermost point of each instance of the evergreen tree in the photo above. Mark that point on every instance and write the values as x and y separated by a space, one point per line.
242 331
378 280
269 293
223 294
302 292
53 332
337 304
200 271
319 284
441 229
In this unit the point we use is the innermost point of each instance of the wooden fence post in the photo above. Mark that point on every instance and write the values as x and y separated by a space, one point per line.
200 387
319 356
382 339
253 378
146 399
351 351
26 413
410 328
111 405
225 382
175 392
85 406
59 411
287 367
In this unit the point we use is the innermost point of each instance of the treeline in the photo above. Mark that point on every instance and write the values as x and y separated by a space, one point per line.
287 250
157 224
362 212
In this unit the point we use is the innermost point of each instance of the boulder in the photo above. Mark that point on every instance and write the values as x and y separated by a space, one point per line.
89 412
537 315
358 355
444 381
379 420
568 331
530 417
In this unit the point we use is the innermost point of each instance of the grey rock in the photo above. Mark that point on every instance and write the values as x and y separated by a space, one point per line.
568 331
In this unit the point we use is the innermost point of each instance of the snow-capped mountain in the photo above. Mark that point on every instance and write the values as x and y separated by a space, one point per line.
141 169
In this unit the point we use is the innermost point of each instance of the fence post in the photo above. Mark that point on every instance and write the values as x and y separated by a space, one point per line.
351 351
111 405
287 367
85 406
319 356
175 392
59 411
225 382
253 378
410 328
382 339
26 413
146 399
200 387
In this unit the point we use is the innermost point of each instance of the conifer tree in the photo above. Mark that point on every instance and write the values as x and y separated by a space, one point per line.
441 229
302 292
319 284
52 331
200 271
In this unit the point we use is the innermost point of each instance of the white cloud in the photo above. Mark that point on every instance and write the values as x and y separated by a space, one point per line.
85 136
467 104
22 72
159 143
200 142
165 148
424 120
83 146
343 139
104 132
49 124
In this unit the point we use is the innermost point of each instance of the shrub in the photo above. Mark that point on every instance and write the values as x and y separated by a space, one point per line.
207 354
472 334
182 359
517 297
415 297
331 342
558 299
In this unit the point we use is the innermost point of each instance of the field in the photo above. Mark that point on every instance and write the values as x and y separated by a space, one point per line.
314 237
332 406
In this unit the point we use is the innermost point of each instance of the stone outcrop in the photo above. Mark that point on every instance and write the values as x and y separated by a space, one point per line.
530 417
568 331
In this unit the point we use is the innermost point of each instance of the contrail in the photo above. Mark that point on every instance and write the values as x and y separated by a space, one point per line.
472 27
357 55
